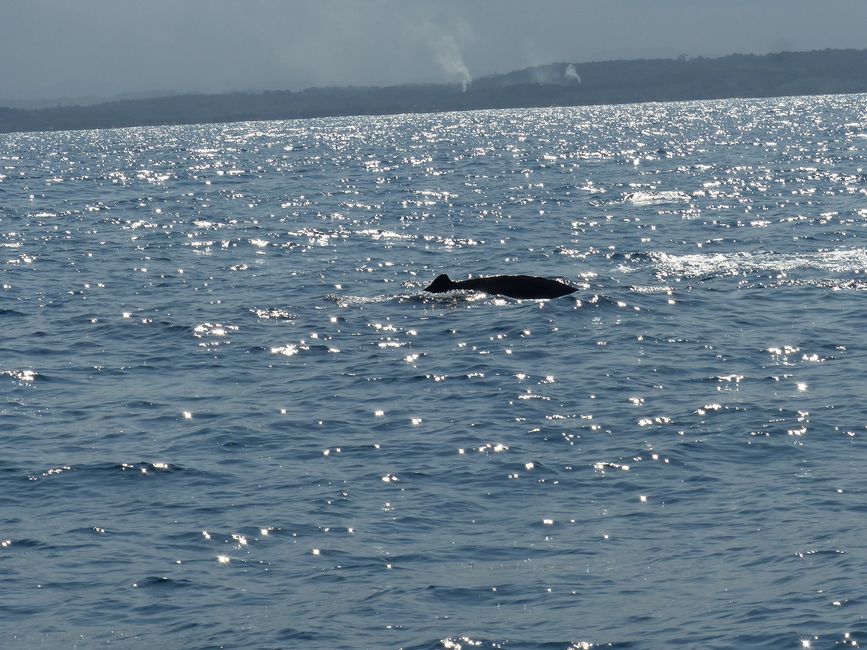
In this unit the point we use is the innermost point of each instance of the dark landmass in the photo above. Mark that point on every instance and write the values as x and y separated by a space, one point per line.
559 84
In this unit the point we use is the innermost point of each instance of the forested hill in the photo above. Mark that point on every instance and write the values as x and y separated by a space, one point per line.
560 84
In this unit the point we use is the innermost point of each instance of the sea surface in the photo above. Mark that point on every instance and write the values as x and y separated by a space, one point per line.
232 418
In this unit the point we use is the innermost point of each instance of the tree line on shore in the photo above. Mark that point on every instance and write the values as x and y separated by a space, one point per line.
558 84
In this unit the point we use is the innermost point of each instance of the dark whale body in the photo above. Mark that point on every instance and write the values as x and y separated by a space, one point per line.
513 286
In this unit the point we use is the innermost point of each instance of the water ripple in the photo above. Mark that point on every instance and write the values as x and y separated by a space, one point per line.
234 417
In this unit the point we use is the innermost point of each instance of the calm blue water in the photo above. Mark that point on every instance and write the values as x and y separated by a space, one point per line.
231 417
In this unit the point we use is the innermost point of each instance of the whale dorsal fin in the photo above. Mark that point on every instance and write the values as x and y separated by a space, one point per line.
442 283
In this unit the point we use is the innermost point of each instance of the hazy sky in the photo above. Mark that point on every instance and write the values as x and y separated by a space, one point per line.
79 48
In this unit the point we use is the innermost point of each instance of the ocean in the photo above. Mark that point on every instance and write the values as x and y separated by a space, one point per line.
231 417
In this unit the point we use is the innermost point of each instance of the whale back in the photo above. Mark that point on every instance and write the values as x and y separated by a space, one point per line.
513 286
518 286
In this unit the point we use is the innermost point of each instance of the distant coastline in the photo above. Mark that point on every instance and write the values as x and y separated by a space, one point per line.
558 84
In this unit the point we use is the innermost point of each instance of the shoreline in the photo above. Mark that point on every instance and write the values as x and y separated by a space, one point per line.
787 74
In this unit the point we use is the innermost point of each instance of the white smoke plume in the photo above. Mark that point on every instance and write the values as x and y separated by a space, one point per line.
449 57
572 73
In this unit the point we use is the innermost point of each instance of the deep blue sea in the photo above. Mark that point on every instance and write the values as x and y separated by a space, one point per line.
232 418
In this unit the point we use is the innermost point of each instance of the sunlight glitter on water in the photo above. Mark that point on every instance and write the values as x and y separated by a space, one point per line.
285 350
25 376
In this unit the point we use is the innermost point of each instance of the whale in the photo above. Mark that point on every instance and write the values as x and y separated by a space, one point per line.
513 286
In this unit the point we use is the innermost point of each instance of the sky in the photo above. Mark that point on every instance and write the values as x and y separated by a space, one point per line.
52 49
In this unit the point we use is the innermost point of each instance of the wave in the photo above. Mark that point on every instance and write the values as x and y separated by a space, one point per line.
740 263
656 197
